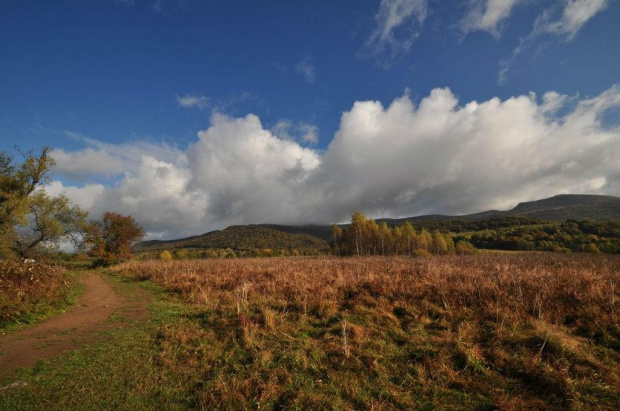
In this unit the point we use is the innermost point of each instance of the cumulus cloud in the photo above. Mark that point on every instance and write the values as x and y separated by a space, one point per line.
399 23
438 156
442 157
193 100
109 160
248 172
488 15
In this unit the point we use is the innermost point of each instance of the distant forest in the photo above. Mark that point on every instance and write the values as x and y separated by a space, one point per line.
365 237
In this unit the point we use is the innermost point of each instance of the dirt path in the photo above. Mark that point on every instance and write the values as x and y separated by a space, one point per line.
86 323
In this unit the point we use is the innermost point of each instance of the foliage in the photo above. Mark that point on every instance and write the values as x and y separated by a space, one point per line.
111 238
17 182
165 255
48 221
363 237
248 240
572 235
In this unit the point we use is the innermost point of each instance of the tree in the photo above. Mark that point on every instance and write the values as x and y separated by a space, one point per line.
48 221
17 182
385 238
372 235
110 239
439 243
358 223
335 240
409 237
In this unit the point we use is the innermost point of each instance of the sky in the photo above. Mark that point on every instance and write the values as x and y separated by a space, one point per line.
193 115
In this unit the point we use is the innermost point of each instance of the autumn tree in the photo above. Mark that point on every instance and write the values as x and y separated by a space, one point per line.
372 237
335 240
365 237
408 235
385 238
111 238
424 241
440 246
356 232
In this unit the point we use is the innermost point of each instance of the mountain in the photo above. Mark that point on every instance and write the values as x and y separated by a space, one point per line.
557 209
308 238
241 238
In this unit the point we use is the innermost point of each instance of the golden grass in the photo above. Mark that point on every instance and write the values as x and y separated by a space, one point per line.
509 331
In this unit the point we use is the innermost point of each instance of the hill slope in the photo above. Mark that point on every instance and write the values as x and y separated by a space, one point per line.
313 237
241 238
558 208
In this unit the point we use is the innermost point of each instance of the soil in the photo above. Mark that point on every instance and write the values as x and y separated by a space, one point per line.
99 309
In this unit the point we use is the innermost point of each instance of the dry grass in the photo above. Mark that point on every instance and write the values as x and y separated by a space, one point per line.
29 291
519 331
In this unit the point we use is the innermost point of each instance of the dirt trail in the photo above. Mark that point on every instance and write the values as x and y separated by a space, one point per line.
85 323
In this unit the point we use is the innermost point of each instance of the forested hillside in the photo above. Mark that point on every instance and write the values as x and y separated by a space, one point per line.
244 239
576 223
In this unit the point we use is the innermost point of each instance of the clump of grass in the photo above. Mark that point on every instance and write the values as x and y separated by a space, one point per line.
29 292
485 331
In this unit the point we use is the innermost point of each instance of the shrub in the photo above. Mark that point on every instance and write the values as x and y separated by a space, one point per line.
421 253
465 247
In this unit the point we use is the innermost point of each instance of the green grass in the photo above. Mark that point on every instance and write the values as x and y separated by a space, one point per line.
118 372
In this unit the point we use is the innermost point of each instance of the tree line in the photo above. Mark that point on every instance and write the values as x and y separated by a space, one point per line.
33 224
569 236
364 237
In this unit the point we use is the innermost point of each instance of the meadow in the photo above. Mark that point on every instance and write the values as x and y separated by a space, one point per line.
484 331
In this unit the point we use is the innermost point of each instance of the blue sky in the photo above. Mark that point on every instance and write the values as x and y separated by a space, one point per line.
100 79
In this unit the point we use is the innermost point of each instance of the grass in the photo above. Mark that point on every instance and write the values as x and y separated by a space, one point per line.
117 372
33 293
518 331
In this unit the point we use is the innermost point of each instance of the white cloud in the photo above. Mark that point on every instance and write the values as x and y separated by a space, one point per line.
442 157
398 24
306 69
399 160
248 172
574 15
109 160
488 15
193 100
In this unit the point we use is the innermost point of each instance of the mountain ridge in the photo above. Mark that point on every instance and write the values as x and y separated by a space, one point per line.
558 208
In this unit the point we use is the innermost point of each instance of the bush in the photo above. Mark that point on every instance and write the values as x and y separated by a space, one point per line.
165 255
421 253
465 247
29 288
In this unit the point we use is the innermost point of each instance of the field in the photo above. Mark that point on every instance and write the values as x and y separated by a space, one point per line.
509 331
